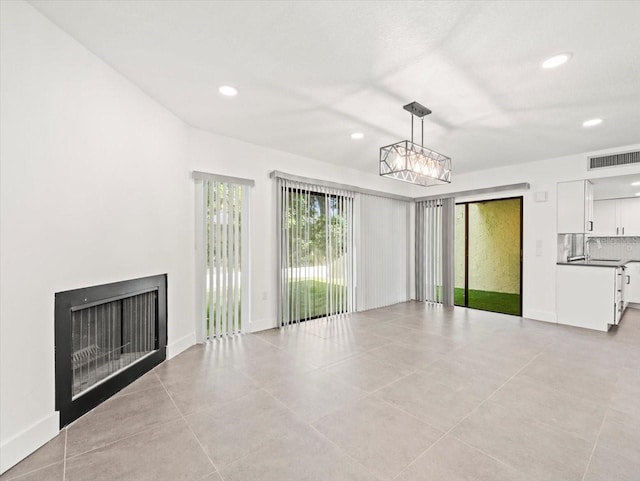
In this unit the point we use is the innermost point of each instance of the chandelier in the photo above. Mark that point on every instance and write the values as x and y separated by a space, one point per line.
414 163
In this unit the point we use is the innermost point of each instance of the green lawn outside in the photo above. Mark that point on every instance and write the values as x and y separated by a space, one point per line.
308 298
316 299
489 301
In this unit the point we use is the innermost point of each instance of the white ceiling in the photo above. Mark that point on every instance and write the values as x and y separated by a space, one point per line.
311 73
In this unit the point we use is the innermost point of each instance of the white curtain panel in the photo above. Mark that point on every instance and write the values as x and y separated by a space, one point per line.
315 252
434 250
383 248
223 255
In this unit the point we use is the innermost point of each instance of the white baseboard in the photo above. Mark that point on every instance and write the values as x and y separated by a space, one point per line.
15 449
185 342
633 305
261 325
545 316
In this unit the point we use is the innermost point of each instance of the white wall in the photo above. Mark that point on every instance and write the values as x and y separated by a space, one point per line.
539 226
94 189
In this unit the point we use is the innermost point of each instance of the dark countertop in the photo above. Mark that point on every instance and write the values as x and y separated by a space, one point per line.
599 263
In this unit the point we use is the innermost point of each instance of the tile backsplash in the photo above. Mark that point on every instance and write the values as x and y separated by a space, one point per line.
614 247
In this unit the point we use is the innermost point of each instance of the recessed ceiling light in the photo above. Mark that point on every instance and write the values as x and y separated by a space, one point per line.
591 122
556 60
357 135
228 91
635 183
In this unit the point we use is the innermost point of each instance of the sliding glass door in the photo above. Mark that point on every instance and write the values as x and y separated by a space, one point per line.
488 255
316 252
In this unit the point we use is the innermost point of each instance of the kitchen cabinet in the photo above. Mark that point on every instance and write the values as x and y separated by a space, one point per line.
621 279
605 218
575 207
616 217
589 297
588 206
629 215
632 283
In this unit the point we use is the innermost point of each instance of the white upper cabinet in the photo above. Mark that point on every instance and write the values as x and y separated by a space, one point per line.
575 207
617 217
605 218
629 210
588 206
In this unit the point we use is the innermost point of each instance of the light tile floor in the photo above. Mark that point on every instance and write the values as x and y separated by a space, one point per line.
408 392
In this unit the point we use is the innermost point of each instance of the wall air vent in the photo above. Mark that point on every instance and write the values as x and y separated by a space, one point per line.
614 160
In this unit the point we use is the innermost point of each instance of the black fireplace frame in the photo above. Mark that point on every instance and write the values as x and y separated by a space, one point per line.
71 409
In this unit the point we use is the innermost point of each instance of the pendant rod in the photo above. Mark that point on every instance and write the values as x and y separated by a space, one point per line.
412 128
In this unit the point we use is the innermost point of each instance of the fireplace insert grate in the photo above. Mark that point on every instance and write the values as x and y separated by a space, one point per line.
110 336
106 337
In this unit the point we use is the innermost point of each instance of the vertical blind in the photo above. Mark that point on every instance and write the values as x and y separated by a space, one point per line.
224 258
382 251
315 238
434 250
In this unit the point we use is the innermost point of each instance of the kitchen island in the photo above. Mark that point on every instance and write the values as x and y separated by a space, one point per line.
595 298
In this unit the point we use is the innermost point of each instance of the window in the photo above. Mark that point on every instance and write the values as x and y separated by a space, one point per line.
223 255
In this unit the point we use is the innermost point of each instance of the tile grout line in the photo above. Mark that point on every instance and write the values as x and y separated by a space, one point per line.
554 426
401 409
115 397
264 340
384 386
279 402
363 395
209 474
187 424
560 391
339 361
435 427
110 443
64 464
499 461
143 430
313 428
270 439
595 443
64 459
28 473
343 451
473 411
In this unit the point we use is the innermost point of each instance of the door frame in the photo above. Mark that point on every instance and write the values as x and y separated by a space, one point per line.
466 247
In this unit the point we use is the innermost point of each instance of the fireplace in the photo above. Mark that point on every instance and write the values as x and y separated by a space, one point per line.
105 338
